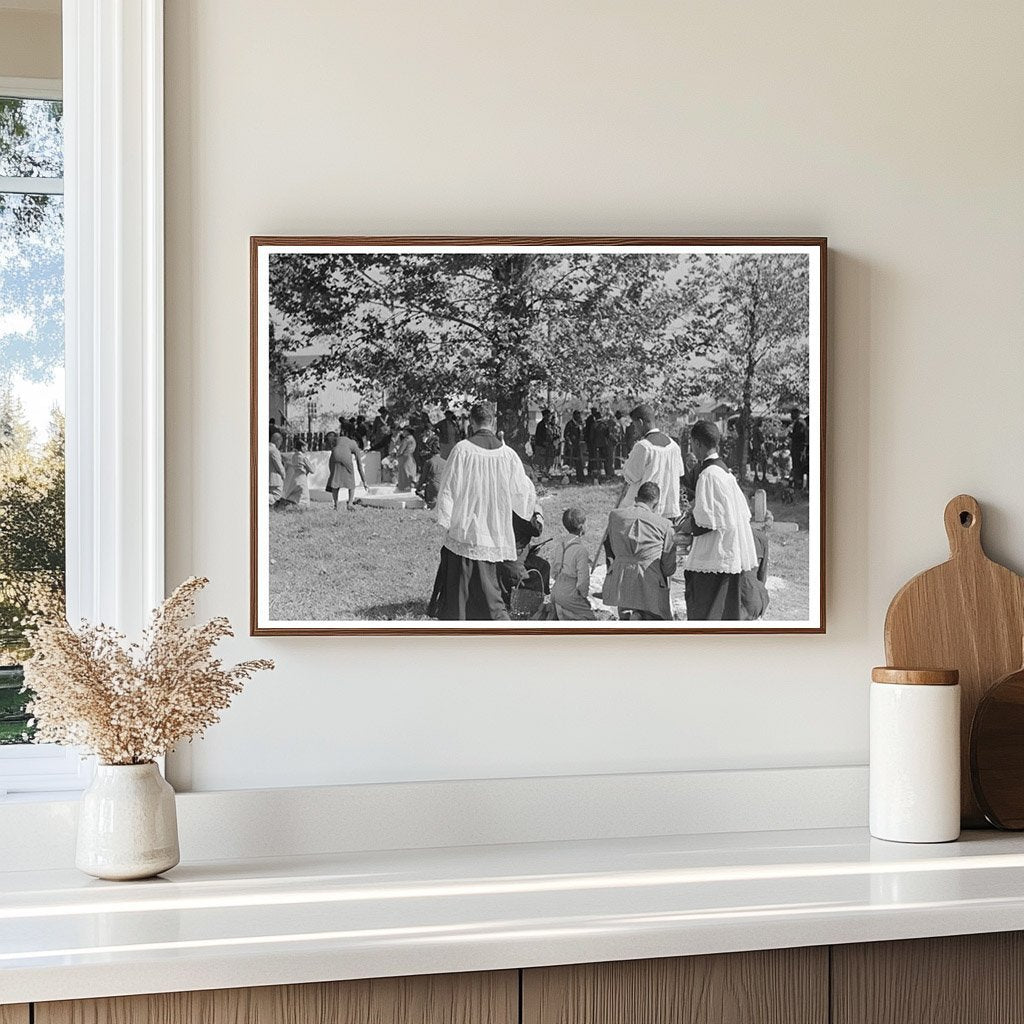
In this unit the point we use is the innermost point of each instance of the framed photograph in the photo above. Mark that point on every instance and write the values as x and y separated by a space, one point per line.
537 435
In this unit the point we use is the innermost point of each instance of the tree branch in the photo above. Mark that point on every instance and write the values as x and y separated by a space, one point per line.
554 285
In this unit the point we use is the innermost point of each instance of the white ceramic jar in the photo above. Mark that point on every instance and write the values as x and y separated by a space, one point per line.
915 755
127 823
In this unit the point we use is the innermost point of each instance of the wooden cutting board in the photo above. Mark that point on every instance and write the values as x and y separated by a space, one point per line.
967 614
997 752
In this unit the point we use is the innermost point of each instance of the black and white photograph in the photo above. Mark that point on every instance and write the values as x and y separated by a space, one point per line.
537 435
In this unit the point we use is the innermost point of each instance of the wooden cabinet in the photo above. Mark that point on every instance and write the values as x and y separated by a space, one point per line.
491 998
962 979
778 986
967 979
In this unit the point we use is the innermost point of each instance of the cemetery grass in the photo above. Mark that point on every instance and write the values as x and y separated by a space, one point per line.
379 564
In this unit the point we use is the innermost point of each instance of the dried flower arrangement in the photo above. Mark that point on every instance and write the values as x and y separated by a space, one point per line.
130 703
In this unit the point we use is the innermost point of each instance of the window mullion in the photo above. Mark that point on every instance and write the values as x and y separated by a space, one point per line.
32 186
113 116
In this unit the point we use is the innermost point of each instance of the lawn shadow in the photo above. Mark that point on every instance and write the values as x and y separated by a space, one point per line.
393 612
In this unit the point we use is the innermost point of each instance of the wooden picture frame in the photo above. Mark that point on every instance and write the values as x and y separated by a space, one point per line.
781 256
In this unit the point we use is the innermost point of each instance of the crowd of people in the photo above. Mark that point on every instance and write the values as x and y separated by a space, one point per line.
487 505
592 448
412 452
672 510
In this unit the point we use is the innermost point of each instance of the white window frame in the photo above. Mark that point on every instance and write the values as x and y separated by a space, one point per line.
114 264
32 88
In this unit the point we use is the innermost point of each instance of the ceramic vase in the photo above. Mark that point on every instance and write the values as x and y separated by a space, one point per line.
127 825
915 755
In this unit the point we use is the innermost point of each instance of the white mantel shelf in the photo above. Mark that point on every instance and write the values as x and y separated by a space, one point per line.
300 919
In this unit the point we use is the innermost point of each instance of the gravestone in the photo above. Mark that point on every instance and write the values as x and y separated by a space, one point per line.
763 519
760 505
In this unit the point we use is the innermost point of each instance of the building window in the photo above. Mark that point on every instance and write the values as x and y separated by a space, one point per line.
32 525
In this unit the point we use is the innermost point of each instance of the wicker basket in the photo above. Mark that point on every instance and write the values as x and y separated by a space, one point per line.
525 602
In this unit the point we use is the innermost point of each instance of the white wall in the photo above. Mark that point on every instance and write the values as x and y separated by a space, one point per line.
30 42
895 129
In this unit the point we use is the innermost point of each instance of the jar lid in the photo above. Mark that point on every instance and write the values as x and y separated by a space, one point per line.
916 676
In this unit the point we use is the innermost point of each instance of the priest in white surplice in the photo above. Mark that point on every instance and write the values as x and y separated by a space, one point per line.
656 458
723 541
483 484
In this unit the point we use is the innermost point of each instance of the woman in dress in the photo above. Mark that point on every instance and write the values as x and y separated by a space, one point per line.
404 453
276 478
296 478
339 468
433 469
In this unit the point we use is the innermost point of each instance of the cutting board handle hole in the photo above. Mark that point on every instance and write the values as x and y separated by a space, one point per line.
966 519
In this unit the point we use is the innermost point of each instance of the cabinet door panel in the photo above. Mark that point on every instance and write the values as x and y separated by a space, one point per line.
14 1014
779 986
483 998
960 979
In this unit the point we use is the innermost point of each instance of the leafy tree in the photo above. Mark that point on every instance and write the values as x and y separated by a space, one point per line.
506 327
753 318
31 347
31 145
15 431
31 297
31 243
784 381
31 524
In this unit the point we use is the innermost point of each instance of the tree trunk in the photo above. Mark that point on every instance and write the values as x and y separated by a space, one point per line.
514 417
741 458
513 275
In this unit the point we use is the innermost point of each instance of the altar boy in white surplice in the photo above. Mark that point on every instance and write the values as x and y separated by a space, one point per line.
723 542
484 483
656 458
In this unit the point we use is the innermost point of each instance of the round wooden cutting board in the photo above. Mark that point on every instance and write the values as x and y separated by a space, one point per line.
968 614
997 752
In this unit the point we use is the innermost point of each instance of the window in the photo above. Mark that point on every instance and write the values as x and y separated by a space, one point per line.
112 212
32 530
